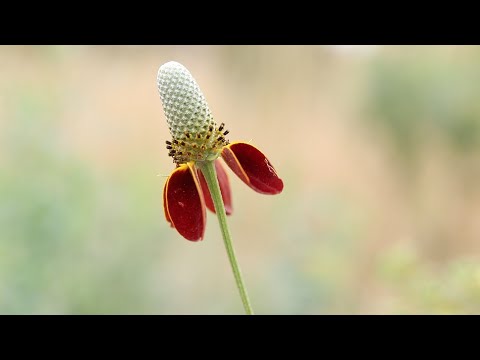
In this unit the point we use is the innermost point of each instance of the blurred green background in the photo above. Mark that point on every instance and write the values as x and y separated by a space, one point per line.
378 147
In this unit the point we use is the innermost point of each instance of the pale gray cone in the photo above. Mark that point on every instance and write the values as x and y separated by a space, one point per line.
184 105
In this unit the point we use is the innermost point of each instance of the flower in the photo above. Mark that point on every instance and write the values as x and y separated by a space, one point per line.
197 138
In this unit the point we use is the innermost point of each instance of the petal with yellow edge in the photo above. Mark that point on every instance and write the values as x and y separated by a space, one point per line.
185 204
224 188
165 204
252 167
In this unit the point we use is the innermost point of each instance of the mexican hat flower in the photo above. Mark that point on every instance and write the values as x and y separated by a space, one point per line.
196 141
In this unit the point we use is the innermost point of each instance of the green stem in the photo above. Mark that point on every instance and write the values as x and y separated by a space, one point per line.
208 170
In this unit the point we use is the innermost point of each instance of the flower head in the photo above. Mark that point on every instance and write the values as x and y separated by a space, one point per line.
194 132
197 138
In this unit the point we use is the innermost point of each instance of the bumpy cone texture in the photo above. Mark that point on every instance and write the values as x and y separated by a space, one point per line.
183 102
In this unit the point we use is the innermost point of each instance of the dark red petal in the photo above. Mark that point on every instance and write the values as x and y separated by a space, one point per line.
206 193
252 167
185 204
165 204
224 188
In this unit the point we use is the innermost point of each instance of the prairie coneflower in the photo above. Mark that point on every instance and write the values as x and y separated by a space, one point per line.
199 180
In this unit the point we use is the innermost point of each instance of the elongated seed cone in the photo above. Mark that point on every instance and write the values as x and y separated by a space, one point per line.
183 102
195 136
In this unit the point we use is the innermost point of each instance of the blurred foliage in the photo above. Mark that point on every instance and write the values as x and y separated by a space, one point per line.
55 227
419 91
420 288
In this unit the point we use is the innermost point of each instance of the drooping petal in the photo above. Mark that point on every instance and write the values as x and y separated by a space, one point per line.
185 204
252 167
224 188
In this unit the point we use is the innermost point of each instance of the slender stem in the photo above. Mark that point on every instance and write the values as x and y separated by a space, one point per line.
208 170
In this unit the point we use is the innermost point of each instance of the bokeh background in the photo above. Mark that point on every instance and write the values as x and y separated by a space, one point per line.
378 147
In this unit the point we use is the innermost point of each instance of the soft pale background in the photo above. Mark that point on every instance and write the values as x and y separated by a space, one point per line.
379 149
